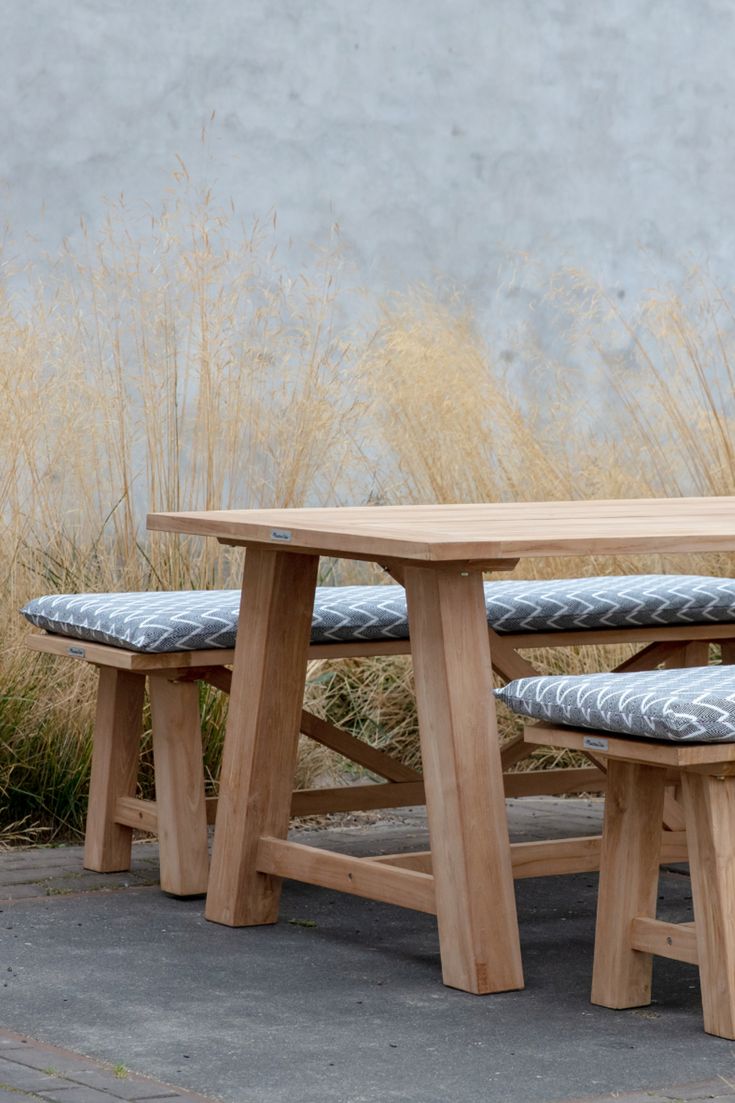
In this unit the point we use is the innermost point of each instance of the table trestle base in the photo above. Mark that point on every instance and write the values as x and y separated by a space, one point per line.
550 857
407 879
408 888
673 940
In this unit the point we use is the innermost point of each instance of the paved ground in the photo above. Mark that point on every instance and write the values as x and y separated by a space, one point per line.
30 1070
339 1003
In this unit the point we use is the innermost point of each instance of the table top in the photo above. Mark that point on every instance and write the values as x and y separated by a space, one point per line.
448 533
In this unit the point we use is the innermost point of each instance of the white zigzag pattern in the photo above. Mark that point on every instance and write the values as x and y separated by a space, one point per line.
186 620
695 704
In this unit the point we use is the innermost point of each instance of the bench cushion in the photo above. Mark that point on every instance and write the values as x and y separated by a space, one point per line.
695 704
189 620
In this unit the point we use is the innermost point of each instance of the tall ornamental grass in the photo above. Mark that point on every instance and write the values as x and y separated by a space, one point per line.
177 362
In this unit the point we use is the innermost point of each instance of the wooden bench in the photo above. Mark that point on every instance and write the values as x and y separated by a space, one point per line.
628 933
180 813
679 725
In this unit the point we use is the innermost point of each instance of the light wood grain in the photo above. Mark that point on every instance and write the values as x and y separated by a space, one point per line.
506 660
357 798
709 756
106 655
480 532
102 654
358 876
396 567
652 656
674 819
322 731
673 940
115 755
543 858
473 878
553 783
137 813
514 751
673 846
357 750
261 740
695 653
420 860
709 804
180 805
582 637
400 794
552 857
631 850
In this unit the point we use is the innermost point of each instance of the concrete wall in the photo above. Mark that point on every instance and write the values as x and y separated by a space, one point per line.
442 135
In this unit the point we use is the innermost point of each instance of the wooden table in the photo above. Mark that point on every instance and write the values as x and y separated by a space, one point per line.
438 553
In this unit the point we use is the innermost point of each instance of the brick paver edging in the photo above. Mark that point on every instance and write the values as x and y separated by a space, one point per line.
722 1088
33 1070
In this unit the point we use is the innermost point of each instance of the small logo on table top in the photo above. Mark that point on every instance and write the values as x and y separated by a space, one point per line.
594 743
282 535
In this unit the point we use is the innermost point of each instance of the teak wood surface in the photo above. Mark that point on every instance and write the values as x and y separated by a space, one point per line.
498 531
438 552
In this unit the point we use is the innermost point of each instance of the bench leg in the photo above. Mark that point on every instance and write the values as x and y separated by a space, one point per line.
261 742
115 755
180 801
709 804
631 848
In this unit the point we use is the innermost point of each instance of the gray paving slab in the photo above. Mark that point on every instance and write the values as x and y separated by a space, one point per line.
32 1070
719 1089
342 1002
33 872
73 1093
22 1078
32 1057
124 1087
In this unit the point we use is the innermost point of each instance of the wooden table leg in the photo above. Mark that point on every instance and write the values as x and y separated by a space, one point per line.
473 877
261 740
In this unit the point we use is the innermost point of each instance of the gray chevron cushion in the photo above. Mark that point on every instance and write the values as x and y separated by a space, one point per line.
188 620
696 704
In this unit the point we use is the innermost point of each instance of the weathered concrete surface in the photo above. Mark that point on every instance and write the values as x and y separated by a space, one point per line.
341 1002
442 137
